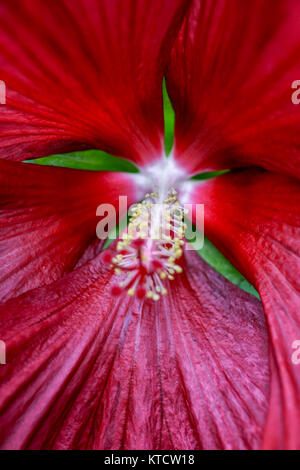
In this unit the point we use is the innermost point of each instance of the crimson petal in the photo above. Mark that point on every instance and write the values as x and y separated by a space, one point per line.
89 371
48 218
253 217
230 80
85 74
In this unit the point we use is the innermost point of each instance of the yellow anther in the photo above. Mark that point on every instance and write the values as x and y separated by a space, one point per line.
178 269
149 264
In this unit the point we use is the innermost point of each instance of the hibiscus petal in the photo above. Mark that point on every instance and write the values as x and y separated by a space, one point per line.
48 218
85 74
253 217
86 370
230 80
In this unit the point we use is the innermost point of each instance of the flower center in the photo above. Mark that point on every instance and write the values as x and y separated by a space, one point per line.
150 248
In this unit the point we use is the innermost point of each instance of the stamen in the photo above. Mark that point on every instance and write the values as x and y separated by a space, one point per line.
151 246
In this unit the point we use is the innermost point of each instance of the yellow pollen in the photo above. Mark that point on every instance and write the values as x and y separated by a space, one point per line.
151 246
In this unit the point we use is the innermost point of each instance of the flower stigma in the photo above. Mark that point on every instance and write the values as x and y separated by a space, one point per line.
149 250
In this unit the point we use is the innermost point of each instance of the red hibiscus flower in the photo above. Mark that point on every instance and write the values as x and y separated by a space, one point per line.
207 365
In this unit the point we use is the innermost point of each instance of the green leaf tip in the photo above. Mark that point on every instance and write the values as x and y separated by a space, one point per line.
92 160
169 118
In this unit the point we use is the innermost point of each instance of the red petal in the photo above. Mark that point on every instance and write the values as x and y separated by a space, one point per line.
85 74
230 80
88 371
254 218
48 218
